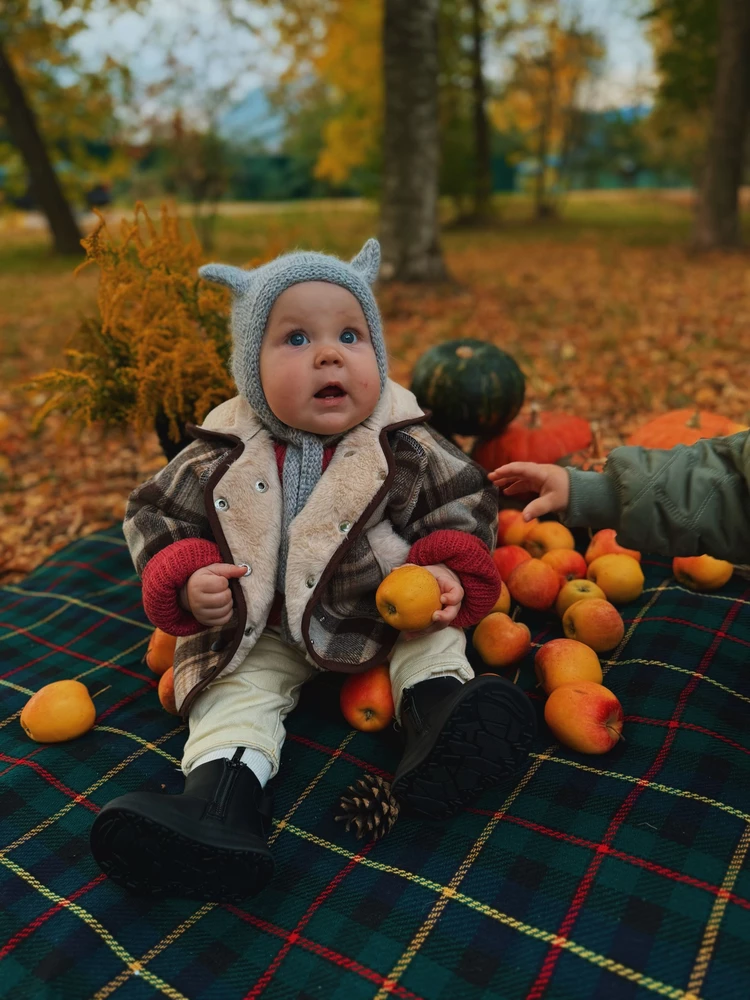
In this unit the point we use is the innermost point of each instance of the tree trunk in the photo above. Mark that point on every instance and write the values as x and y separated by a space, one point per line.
45 186
717 222
409 230
482 155
541 206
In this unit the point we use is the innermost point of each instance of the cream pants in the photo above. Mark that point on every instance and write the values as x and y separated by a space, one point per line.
248 706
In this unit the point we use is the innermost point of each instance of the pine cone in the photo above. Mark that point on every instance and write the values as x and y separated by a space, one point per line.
369 807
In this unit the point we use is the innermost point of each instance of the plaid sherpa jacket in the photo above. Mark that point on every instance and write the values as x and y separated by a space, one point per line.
393 485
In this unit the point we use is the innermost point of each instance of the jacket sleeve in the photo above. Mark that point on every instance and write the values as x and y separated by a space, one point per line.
454 521
685 501
169 536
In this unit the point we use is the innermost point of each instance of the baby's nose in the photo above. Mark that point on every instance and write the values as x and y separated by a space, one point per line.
328 356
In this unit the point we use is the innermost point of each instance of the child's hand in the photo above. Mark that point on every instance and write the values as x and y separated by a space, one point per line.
451 595
551 482
207 596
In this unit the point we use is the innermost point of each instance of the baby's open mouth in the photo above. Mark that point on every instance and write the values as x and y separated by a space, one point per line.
331 391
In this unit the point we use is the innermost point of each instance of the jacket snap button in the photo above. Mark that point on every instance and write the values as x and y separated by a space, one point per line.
261 487
382 475
248 569
345 526
221 504
217 645
249 630
310 582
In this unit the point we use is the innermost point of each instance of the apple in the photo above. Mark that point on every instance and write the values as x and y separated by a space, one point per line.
367 700
546 536
517 530
507 557
166 692
534 584
701 572
584 716
505 518
567 562
503 601
619 576
576 590
160 652
500 641
603 544
566 661
595 622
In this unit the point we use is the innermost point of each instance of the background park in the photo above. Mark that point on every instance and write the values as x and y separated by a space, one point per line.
560 178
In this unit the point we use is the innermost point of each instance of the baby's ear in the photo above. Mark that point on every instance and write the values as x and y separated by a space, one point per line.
367 261
235 278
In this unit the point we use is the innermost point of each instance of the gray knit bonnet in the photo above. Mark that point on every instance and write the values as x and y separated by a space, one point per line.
254 293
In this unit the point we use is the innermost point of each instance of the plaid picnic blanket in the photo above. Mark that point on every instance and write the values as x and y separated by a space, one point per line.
618 876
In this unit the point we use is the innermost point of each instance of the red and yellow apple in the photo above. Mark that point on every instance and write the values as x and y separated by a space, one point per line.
503 602
546 536
566 661
584 716
701 572
534 584
620 577
505 518
166 692
576 590
595 622
567 562
603 543
517 530
500 641
507 557
366 699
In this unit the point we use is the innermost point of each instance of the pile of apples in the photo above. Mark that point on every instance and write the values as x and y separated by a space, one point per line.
159 659
541 569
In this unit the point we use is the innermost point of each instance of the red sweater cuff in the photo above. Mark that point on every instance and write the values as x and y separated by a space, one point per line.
470 560
165 574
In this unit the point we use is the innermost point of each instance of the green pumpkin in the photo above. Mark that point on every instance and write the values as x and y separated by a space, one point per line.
472 387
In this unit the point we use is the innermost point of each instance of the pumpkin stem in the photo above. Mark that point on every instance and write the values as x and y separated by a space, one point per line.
534 420
464 351
695 420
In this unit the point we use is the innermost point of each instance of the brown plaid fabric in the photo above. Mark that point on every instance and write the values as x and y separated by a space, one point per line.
430 485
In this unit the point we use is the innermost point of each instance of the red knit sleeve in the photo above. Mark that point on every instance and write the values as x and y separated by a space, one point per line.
165 574
470 560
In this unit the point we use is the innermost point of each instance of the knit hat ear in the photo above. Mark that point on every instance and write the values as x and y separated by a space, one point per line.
367 261
235 278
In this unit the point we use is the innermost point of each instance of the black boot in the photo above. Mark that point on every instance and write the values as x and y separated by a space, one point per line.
208 843
460 740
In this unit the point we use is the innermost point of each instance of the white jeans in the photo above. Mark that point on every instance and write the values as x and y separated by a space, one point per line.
248 706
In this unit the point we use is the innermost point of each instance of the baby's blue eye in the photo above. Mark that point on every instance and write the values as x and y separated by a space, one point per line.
348 337
297 339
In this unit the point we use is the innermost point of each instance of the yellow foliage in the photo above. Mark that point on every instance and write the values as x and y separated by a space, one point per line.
161 344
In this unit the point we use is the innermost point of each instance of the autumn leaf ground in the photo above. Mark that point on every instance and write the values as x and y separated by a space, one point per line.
605 309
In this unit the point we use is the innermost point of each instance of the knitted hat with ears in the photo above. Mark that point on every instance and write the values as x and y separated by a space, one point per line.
254 293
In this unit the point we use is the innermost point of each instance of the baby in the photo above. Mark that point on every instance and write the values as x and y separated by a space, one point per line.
261 546
685 501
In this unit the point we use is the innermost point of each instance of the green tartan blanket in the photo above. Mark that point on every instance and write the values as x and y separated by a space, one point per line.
620 876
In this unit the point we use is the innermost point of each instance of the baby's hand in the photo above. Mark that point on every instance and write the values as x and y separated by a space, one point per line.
207 596
451 595
551 482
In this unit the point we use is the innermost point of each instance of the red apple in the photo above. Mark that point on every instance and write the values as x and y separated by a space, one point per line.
565 661
534 584
567 562
367 700
603 543
507 557
584 716
500 641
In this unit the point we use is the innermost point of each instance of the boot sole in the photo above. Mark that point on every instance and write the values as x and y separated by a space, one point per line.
163 862
484 741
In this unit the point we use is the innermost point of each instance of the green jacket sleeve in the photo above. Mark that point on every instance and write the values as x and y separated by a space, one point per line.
685 501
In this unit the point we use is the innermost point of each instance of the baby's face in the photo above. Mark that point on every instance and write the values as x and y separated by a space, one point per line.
317 363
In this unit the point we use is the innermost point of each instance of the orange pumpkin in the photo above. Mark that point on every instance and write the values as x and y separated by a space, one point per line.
540 437
683 427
